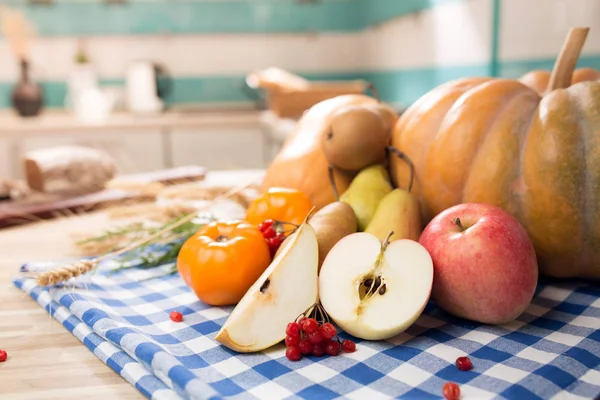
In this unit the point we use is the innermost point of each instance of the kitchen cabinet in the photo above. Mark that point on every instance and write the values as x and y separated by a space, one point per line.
133 152
219 148
5 164
218 139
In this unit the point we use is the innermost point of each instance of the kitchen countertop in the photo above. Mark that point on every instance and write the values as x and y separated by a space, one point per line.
62 121
45 360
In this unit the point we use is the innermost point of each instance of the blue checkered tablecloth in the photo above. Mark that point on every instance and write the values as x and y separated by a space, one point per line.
551 351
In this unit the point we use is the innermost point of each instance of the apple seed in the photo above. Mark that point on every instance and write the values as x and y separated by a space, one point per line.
382 289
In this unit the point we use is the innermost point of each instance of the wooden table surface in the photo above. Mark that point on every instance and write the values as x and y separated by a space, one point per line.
45 360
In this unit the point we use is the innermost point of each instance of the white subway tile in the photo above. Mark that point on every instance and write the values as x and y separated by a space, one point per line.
191 55
536 29
454 33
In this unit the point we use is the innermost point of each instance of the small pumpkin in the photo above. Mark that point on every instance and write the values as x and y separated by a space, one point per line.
538 79
301 164
281 204
222 260
498 141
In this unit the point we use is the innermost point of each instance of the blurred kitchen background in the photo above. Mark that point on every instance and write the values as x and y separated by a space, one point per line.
166 83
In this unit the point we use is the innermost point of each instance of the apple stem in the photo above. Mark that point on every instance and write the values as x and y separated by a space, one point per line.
459 224
408 161
332 181
386 242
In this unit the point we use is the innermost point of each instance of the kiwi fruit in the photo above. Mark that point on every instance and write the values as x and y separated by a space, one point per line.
357 138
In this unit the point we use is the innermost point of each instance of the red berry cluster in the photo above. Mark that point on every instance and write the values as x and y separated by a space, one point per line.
273 238
307 337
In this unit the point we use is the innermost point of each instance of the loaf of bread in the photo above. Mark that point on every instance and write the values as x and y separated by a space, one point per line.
68 169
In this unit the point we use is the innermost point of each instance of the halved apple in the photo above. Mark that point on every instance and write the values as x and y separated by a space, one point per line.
285 290
375 290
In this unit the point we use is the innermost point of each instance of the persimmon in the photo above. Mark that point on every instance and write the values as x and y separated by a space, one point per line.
222 260
279 204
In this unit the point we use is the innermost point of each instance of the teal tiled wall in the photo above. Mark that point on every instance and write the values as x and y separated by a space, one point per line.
95 17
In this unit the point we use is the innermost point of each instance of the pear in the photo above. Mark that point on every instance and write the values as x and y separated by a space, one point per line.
285 290
331 223
358 137
365 192
399 211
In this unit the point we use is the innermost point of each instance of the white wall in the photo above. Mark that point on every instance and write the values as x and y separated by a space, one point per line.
454 33
194 55
536 29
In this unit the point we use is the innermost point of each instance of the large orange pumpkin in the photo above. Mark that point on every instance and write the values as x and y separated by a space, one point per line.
301 163
498 141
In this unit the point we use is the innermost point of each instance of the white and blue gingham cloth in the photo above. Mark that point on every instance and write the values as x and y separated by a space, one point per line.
552 351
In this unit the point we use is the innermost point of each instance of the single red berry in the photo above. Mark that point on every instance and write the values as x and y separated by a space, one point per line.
305 347
451 391
318 350
3 355
315 337
327 330
348 346
176 316
332 347
464 363
267 223
269 233
273 242
292 329
293 353
292 341
310 325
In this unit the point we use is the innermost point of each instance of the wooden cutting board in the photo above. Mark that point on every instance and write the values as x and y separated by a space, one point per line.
120 190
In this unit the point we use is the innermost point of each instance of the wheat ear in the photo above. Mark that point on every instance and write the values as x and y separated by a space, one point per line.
66 272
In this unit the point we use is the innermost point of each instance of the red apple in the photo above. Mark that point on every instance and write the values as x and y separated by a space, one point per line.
485 267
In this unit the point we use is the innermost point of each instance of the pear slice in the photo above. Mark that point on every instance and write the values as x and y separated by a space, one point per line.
375 290
285 290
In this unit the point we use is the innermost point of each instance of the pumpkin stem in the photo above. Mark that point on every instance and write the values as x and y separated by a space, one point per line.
332 181
371 87
407 160
566 62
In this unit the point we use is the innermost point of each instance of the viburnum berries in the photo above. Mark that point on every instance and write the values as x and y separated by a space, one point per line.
451 391
348 346
274 233
313 334
464 364
293 353
3 355
176 316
